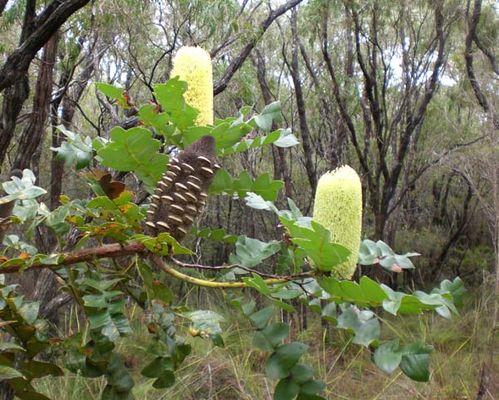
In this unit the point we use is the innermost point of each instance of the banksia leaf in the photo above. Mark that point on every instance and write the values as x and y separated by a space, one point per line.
338 207
193 65
181 193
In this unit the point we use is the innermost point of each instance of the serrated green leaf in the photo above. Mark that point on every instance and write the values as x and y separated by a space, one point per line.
76 149
134 150
170 96
316 241
110 91
263 185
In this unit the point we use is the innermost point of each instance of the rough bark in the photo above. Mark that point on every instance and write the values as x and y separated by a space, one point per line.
45 26
34 131
69 99
16 94
3 3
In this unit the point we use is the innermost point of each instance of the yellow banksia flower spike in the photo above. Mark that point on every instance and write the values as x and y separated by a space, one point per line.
338 207
193 65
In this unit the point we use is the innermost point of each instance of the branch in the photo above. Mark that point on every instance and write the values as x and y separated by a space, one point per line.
232 266
107 250
161 264
471 37
119 250
3 3
427 166
234 66
20 59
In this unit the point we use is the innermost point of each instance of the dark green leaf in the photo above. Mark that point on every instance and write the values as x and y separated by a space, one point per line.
276 333
261 318
416 366
166 380
312 387
301 373
290 353
286 389
38 369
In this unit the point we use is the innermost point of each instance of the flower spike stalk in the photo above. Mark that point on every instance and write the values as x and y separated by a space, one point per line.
193 65
338 207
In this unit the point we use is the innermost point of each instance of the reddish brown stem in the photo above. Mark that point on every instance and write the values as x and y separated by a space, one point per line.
107 250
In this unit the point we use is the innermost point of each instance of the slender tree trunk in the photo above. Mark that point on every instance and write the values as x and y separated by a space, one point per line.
300 104
280 166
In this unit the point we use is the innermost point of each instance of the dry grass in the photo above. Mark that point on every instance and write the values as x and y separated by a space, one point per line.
235 371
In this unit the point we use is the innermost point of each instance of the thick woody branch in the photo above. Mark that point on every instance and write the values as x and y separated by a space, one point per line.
50 20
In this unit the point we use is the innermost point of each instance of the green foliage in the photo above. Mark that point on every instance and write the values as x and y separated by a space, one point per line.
413 359
23 188
263 185
316 241
76 149
295 380
251 252
133 150
18 366
379 252
305 260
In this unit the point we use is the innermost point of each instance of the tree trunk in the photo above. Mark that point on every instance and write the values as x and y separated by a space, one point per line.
32 136
280 166
300 104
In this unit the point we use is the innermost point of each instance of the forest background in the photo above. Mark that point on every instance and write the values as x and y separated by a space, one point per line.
404 92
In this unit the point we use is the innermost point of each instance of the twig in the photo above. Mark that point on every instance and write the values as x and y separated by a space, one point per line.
232 266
